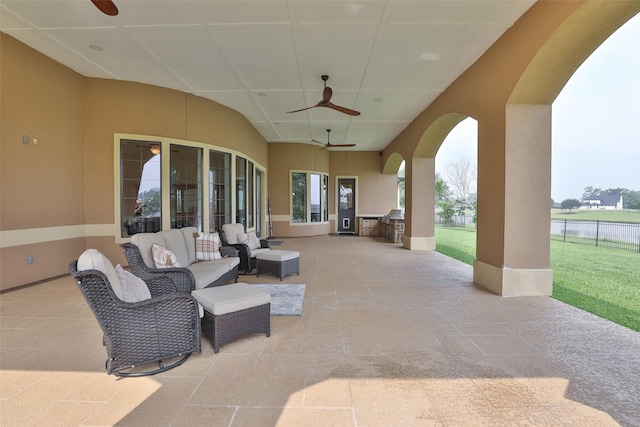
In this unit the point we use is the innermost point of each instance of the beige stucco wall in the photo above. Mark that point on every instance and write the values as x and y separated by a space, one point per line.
57 197
377 193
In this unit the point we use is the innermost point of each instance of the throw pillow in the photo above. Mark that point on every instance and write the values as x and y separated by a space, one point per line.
163 257
250 239
208 247
254 242
133 288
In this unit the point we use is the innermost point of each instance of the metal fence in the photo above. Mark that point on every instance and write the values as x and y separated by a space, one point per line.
614 235
464 221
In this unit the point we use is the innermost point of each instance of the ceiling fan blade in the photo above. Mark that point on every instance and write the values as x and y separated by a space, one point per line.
341 145
342 109
327 93
106 6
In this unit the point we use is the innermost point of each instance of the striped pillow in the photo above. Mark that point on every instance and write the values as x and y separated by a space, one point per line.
208 247
163 257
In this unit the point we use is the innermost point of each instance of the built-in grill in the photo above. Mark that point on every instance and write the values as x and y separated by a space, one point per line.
393 225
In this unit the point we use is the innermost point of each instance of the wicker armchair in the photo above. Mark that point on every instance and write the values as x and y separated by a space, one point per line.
228 236
164 327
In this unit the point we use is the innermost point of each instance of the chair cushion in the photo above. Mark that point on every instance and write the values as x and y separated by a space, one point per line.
255 252
207 272
230 298
93 259
163 257
208 247
231 232
133 288
278 255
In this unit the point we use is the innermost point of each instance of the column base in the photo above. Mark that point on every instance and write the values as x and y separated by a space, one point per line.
513 282
419 243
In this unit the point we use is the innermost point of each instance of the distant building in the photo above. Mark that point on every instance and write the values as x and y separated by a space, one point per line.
603 201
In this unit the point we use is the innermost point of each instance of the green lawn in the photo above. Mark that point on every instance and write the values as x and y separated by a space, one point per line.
597 215
605 282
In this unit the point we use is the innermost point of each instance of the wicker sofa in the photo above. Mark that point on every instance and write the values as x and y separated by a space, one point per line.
192 274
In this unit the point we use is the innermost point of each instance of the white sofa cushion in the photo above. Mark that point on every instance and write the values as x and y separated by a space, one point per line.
144 241
189 234
93 259
175 242
206 272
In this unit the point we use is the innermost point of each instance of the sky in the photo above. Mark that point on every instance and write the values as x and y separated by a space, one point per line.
595 122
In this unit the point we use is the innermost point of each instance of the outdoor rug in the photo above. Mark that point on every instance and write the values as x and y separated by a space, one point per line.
286 299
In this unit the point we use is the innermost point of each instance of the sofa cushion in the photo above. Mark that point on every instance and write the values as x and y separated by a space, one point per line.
208 247
93 259
144 241
174 241
133 288
189 234
163 257
207 272
231 232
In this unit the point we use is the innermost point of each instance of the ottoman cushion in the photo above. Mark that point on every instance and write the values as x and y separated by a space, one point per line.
278 255
230 298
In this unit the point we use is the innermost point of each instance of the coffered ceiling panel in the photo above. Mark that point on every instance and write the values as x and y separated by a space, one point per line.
387 59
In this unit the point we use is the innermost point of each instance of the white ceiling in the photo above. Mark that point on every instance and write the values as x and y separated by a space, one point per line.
387 59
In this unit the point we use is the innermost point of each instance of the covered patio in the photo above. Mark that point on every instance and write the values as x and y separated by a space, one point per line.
387 337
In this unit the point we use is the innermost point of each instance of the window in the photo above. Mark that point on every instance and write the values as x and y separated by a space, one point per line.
186 186
309 194
169 183
219 189
299 197
325 198
140 187
241 190
250 194
316 194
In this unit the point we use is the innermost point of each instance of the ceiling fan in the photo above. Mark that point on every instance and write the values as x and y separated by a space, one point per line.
326 101
330 145
106 6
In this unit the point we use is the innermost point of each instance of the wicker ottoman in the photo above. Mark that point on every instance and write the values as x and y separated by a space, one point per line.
234 310
279 263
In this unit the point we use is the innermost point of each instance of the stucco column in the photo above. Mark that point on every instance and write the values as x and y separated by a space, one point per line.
521 221
419 213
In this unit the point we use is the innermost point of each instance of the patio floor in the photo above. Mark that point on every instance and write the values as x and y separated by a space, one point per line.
387 337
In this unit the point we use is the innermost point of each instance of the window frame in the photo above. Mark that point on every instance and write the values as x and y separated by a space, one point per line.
323 193
164 144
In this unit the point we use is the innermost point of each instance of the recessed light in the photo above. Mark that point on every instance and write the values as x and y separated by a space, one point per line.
96 47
